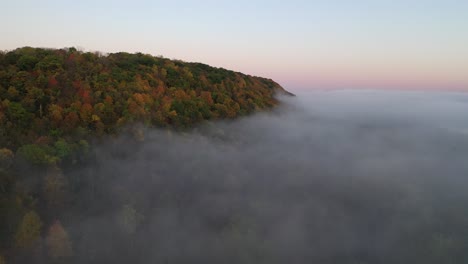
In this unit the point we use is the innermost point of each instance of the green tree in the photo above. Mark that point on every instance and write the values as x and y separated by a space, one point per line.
18 115
27 62
62 149
36 154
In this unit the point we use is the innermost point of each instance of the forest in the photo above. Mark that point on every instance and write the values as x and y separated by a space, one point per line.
56 104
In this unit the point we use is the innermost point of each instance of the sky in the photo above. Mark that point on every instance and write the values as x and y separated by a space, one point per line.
303 45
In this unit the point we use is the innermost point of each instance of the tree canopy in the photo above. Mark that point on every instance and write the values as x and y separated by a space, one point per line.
68 94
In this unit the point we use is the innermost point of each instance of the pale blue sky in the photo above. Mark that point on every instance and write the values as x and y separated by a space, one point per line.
301 44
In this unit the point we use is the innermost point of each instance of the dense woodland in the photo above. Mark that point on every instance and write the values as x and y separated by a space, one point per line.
68 95
54 103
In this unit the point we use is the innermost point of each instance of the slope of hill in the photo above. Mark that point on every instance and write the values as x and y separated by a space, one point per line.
54 101
60 93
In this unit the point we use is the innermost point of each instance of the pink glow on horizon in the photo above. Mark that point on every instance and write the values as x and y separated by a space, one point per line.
329 74
371 78
370 83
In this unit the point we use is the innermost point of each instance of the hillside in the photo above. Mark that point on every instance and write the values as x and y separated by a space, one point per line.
65 93
54 103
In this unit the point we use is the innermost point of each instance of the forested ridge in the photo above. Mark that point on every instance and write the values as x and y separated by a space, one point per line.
72 94
55 102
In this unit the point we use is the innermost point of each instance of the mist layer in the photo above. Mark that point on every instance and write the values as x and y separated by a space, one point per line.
328 177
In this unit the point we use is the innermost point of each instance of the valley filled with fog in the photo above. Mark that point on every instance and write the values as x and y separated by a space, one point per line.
327 177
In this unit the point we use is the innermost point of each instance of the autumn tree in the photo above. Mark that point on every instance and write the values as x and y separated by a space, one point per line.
55 188
6 178
206 96
12 93
71 121
6 158
29 231
57 242
56 114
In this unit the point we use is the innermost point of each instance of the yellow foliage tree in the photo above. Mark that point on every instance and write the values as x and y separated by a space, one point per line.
29 231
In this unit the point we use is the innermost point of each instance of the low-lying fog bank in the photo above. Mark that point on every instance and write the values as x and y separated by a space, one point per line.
329 177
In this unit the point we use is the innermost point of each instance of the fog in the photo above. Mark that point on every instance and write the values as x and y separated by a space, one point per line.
327 177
